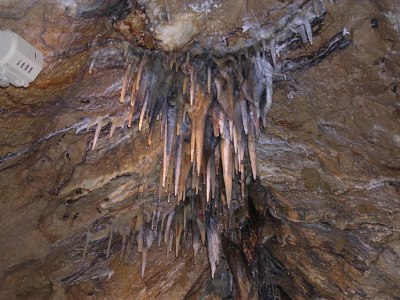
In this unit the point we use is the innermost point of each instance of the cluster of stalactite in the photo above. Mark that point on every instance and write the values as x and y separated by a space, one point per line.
211 108
141 228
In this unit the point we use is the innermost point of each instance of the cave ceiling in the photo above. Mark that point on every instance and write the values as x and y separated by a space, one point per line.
281 119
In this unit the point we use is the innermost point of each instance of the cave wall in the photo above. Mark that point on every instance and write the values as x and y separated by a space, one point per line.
336 165
328 164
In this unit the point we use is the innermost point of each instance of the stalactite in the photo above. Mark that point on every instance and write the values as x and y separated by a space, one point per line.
179 228
118 121
142 63
214 244
201 116
143 111
180 103
125 82
195 181
226 156
149 238
144 261
169 139
139 231
202 229
184 133
90 237
217 155
227 97
223 95
168 226
195 238
252 146
185 170
122 226
301 20
211 178
170 239
160 234
209 79
272 49
101 122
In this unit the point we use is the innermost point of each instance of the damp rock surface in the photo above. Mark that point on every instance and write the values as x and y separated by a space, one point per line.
321 219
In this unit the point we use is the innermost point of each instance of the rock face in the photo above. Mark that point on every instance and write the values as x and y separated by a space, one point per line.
320 221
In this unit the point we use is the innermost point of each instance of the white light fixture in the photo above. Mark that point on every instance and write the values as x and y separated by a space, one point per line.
20 62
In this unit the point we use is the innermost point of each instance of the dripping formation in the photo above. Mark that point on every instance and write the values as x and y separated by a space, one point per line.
141 228
211 107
